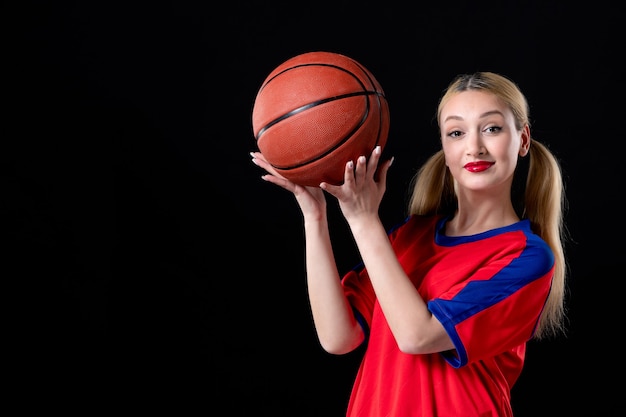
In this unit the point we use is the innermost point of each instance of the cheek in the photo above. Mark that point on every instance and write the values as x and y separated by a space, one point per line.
516 147
451 155
506 151
452 163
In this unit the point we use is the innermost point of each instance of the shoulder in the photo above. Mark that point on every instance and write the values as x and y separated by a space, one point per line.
536 251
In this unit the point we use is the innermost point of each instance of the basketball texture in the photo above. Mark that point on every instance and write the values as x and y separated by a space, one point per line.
317 111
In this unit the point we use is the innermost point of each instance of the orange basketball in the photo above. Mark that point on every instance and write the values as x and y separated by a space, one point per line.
317 111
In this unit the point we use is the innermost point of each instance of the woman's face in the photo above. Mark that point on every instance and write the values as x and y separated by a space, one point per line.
480 141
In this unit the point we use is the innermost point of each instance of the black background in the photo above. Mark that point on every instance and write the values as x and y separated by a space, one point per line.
150 267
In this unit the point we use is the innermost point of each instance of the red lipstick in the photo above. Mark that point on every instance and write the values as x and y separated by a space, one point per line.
478 166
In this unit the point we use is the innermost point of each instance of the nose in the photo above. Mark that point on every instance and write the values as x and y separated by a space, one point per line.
475 144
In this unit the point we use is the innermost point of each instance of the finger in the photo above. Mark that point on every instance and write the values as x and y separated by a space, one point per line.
257 155
383 169
348 180
258 159
372 165
375 157
348 173
281 182
361 168
261 163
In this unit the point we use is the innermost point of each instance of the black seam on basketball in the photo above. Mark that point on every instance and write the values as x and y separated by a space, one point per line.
314 104
311 64
362 78
380 118
322 64
346 137
378 98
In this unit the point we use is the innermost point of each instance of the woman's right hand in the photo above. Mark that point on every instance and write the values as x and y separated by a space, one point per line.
311 200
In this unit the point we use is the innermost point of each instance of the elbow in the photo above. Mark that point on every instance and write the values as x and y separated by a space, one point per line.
341 345
336 349
411 347
419 345
428 338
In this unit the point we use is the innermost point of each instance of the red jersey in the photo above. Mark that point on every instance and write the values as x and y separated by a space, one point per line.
488 290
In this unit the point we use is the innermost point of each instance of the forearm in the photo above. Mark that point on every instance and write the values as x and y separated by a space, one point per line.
337 329
416 330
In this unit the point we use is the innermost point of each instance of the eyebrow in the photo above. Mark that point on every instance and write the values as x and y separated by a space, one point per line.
483 115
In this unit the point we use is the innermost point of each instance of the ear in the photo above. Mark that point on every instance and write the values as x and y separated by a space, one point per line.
525 141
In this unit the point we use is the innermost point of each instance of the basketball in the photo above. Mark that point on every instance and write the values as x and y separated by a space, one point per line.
317 111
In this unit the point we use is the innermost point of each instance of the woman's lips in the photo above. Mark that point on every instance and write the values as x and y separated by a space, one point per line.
478 166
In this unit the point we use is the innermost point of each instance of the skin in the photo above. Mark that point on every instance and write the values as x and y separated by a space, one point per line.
476 127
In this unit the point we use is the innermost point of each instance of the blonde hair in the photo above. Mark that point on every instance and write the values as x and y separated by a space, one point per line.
540 198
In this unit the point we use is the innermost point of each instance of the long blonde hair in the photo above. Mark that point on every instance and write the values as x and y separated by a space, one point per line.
540 198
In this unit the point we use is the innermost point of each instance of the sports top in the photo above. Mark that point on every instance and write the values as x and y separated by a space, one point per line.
488 291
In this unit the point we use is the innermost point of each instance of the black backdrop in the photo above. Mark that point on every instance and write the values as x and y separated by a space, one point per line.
152 269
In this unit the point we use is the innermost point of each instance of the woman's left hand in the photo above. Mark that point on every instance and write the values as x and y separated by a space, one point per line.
363 188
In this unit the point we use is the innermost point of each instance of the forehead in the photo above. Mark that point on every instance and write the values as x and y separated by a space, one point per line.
473 103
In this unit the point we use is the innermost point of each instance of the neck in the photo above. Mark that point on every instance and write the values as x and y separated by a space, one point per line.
470 219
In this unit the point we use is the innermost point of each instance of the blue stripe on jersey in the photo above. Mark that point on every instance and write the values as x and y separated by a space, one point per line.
533 262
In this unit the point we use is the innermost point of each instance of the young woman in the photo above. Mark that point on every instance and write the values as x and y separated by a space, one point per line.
447 301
